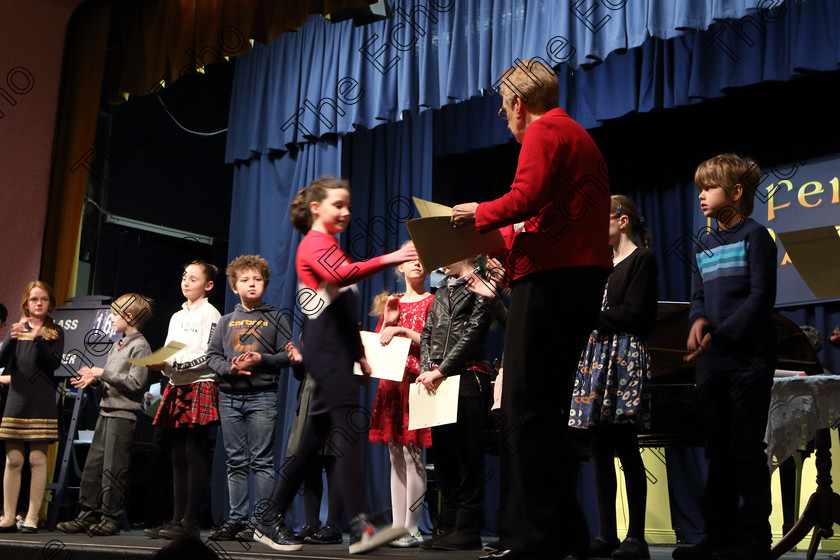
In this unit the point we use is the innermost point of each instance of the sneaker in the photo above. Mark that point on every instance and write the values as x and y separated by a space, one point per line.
228 531
105 528
327 534
154 532
246 533
306 531
179 530
277 539
364 537
78 525
409 540
632 549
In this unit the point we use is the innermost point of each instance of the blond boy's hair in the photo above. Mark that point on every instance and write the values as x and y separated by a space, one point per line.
728 170
247 262
136 309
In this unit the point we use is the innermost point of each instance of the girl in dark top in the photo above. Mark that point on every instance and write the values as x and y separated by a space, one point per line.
612 386
331 344
31 353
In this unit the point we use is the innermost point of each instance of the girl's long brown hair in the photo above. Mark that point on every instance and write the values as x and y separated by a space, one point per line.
49 330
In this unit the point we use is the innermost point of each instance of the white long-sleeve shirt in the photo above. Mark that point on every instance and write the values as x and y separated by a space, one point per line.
192 326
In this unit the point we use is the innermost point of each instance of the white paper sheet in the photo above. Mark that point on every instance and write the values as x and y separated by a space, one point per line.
436 408
386 362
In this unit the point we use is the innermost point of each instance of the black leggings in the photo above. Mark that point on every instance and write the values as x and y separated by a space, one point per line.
609 441
343 430
190 450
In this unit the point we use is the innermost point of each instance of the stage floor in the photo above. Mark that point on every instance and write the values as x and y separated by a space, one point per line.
132 544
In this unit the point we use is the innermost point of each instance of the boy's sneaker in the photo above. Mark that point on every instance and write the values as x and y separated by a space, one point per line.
154 532
328 534
78 525
228 531
364 537
246 533
179 530
276 538
105 528
306 531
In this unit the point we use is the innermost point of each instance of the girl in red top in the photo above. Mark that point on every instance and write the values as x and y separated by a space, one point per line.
331 345
403 315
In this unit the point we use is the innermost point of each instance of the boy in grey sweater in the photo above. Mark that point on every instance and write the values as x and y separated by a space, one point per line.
122 387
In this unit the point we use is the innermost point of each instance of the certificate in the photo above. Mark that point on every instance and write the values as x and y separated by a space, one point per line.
386 362
159 355
433 408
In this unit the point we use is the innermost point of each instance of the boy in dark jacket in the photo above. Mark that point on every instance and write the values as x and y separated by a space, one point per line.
452 344
248 350
733 339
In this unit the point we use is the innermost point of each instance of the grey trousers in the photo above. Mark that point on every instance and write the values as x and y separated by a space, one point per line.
103 487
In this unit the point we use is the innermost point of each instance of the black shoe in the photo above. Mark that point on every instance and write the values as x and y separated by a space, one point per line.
700 551
10 529
458 541
632 549
154 532
306 531
276 538
429 544
328 534
602 547
180 530
27 530
746 547
228 531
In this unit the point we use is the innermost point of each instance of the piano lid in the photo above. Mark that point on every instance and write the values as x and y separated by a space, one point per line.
667 346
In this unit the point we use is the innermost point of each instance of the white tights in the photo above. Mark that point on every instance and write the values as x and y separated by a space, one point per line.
408 485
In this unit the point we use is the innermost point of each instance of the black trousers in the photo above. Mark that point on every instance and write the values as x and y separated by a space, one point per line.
551 315
735 392
344 431
459 455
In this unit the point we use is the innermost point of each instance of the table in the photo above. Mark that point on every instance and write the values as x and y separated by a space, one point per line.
802 408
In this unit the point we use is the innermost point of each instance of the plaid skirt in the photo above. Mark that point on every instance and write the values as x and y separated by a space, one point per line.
188 406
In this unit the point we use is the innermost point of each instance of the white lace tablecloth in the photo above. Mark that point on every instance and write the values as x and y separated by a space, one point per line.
799 406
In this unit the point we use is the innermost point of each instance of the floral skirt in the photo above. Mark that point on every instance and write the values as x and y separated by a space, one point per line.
612 384
187 406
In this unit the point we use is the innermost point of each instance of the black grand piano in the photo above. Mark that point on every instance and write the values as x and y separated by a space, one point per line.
676 419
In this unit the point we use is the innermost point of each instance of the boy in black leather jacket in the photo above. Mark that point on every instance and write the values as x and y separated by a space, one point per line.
452 344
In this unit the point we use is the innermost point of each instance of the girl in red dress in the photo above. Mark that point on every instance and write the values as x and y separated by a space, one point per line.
405 316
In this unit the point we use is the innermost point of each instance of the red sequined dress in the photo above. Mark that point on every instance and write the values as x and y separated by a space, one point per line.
390 406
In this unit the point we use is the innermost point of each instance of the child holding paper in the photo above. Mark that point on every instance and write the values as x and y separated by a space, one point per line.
452 344
190 402
403 315
122 386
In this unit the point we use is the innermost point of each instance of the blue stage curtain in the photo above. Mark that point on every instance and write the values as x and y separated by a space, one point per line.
330 78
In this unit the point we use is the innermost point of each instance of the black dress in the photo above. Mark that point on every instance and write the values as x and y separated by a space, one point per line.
31 412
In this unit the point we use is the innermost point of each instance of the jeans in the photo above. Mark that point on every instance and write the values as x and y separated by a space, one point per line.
248 432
